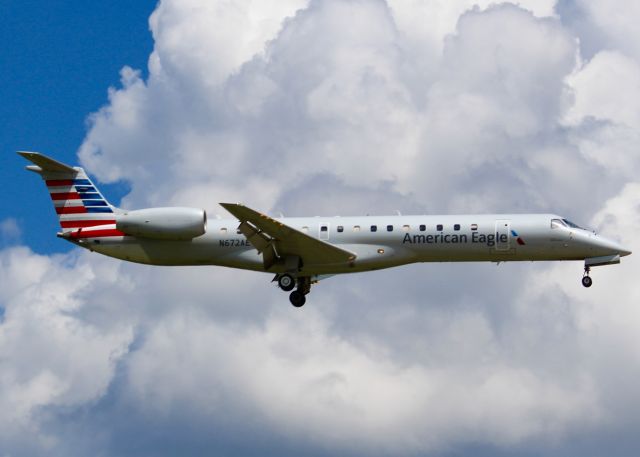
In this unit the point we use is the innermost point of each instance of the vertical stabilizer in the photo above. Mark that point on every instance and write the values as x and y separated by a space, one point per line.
76 200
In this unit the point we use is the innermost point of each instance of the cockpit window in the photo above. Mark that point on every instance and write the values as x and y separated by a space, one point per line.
571 224
557 223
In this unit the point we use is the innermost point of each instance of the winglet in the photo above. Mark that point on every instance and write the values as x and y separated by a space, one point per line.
233 208
228 206
44 163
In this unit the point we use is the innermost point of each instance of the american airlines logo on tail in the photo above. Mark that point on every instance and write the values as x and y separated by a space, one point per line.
78 203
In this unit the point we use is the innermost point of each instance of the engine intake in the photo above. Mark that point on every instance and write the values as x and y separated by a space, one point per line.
163 223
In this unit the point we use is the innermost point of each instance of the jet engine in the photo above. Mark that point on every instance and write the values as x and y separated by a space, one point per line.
163 223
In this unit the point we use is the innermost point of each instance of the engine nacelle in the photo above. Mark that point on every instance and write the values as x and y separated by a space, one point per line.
163 223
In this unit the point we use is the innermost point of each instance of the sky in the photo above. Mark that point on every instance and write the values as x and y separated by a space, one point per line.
322 107
58 60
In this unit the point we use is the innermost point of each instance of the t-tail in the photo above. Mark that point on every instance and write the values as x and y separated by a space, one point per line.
77 201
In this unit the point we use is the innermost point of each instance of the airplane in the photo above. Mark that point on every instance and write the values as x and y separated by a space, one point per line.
300 251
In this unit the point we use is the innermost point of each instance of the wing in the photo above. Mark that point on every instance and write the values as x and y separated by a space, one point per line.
279 243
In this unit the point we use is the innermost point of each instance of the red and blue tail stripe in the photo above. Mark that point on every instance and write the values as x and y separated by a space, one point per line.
82 210
78 203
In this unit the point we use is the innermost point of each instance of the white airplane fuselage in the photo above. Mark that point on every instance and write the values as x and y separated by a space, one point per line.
411 239
299 251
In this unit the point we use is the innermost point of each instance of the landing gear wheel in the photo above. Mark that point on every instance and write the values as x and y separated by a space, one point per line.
297 298
586 280
286 282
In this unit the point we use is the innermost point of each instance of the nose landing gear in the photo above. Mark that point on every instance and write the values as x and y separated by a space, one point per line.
586 279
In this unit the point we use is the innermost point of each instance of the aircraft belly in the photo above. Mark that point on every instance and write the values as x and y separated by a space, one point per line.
162 252
458 252
533 251
368 257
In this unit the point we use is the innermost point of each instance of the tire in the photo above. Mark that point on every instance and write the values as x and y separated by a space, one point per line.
587 281
297 298
286 282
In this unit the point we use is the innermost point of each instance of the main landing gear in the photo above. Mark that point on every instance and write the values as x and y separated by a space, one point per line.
297 298
586 279
287 283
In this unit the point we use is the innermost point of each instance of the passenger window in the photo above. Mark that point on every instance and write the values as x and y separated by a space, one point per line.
323 228
439 227
456 227
356 228
340 228
557 223
474 226
405 228
374 228
223 230
423 227
305 229
389 228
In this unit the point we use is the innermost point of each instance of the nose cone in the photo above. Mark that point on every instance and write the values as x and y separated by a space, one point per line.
611 247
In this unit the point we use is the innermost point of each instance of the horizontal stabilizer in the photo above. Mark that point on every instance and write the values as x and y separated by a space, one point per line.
47 163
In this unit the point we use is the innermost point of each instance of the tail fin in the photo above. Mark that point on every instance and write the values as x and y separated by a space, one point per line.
78 203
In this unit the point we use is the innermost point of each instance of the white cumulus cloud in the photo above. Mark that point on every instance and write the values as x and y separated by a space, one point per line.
346 107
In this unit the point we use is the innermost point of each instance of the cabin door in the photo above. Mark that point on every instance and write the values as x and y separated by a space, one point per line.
503 234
